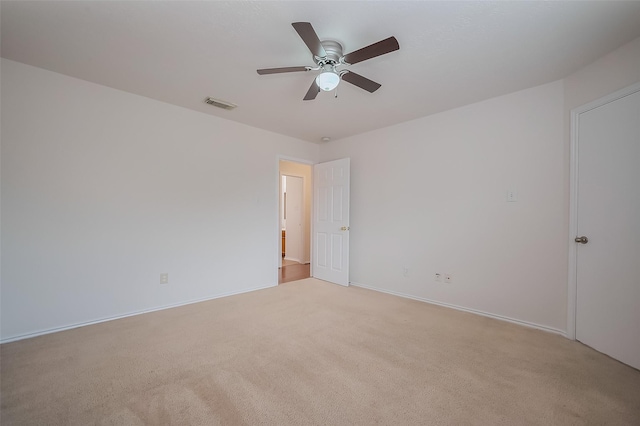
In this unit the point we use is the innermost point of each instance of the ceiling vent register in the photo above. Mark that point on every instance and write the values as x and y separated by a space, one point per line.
220 104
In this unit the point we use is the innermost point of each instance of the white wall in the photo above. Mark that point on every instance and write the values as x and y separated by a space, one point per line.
430 195
612 72
103 190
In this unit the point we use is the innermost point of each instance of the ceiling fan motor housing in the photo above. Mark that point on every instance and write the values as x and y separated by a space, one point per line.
334 53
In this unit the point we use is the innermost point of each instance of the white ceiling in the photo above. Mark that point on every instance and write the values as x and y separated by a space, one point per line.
451 53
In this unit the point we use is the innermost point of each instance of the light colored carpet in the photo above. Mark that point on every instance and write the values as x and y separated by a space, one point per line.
310 352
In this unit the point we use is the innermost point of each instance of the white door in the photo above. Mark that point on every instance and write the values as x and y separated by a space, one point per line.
608 215
293 210
331 221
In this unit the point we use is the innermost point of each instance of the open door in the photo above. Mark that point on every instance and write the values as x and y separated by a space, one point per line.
607 233
331 221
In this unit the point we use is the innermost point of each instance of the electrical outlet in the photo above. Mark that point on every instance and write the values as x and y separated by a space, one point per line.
448 278
405 271
438 277
512 196
164 278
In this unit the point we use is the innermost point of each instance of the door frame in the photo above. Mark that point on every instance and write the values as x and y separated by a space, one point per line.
278 236
572 292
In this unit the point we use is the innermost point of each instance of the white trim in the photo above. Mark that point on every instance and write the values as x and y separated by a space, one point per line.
572 286
619 94
294 160
132 314
573 228
469 310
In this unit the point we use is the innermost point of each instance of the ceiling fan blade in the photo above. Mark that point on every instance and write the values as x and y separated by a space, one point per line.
360 81
280 70
310 38
376 49
312 92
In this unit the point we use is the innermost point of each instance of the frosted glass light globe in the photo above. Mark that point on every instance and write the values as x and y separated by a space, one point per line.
327 81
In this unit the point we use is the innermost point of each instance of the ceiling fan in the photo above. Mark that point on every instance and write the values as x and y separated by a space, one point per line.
328 56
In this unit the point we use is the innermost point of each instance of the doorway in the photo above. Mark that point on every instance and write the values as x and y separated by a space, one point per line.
295 221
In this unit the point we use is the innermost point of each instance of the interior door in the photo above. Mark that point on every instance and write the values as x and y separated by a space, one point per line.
608 258
331 221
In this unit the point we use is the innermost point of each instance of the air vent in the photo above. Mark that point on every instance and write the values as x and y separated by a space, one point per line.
220 104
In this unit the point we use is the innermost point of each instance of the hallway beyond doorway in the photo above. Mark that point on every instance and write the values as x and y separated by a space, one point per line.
293 271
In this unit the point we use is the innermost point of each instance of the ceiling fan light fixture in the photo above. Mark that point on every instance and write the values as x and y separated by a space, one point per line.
327 80
327 57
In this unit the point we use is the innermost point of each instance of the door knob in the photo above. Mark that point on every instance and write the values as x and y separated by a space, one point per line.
344 228
582 240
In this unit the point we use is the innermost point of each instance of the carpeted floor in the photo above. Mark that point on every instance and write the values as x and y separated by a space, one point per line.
310 352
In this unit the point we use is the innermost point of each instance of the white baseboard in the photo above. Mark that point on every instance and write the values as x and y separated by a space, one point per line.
356 284
131 314
461 308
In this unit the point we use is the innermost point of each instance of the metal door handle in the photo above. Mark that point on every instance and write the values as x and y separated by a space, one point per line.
582 240
344 228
